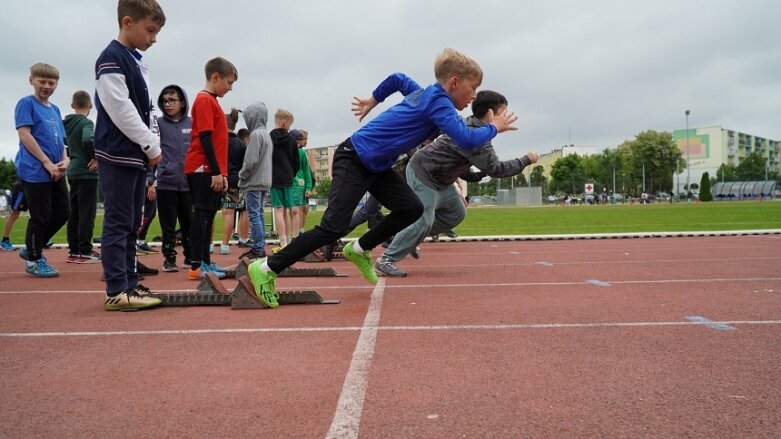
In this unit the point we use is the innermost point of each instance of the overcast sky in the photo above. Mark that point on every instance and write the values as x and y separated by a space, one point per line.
590 73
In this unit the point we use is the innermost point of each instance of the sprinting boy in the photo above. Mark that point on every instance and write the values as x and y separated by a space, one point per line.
255 176
206 163
284 167
83 180
125 147
40 164
173 192
431 174
363 163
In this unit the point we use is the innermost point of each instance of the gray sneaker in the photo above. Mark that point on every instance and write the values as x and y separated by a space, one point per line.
386 267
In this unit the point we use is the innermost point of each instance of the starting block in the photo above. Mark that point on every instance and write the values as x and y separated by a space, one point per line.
211 291
326 253
241 270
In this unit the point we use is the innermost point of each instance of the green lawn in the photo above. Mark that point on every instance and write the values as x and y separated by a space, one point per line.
482 221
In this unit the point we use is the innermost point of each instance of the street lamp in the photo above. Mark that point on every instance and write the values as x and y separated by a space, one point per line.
688 156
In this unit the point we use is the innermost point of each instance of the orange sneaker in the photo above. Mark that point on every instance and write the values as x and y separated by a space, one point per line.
194 273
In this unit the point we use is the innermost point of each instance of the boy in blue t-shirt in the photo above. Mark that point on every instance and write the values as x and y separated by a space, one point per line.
363 163
40 164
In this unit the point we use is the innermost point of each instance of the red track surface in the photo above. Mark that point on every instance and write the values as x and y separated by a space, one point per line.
482 339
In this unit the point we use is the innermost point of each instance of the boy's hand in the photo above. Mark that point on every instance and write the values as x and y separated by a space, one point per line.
362 107
533 156
92 165
502 121
157 159
218 183
151 193
54 170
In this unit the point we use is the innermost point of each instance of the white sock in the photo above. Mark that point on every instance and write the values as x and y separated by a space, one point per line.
264 265
357 246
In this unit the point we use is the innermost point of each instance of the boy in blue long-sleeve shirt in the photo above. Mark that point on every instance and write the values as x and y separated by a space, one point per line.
363 163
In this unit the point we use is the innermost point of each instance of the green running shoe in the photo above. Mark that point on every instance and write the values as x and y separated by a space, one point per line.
264 283
361 260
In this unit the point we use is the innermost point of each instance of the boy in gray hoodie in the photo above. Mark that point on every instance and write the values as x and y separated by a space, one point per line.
255 175
431 174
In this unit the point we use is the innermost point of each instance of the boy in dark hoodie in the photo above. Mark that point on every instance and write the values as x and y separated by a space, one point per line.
285 164
174 201
82 176
255 176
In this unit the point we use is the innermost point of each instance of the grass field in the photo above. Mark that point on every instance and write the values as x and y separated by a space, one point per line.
484 221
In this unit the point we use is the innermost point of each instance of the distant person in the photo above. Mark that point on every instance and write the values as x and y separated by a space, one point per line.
302 183
41 164
285 164
125 147
17 206
233 200
255 176
431 174
363 163
82 176
173 193
206 164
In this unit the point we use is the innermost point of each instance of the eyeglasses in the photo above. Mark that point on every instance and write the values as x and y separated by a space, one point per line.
170 102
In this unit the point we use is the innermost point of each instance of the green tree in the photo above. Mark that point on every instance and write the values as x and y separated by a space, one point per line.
657 154
323 187
538 179
568 175
7 174
520 180
705 193
752 167
726 173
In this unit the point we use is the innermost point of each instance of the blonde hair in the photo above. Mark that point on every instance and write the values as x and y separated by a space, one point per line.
42 70
451 63
283 115
139 10
222 66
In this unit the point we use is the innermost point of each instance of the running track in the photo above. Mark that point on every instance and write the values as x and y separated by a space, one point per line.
643 337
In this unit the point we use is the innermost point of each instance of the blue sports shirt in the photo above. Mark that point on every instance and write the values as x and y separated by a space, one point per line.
423 114
46 127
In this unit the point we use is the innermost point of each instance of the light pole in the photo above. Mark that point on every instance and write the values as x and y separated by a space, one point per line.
688 156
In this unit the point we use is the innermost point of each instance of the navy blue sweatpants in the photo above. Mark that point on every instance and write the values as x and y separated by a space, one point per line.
124 190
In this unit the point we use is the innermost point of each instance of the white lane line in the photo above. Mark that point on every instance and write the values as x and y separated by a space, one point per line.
347 418
426 286
503 327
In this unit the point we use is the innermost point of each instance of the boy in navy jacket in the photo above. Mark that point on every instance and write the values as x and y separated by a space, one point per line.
124 147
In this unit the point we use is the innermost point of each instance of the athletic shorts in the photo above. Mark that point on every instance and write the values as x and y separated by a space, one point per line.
17 198
282 197
232 199
298 197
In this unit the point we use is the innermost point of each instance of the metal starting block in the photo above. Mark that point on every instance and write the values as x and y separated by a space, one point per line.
241 270
211 291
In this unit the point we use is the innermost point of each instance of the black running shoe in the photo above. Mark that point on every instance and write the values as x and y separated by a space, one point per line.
146 271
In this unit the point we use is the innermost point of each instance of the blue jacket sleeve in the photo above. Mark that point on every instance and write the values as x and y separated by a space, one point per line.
446 118
393 83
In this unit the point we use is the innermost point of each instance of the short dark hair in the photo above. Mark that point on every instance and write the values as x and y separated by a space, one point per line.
222 66
81 99
243 134
487 100
139 10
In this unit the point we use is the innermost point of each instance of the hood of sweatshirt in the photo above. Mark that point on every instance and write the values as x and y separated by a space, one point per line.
181 92
256 116
71 121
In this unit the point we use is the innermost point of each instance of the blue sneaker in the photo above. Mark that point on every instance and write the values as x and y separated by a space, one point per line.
212 268
7 246
40 268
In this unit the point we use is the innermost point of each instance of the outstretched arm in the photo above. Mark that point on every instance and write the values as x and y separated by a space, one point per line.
362 107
